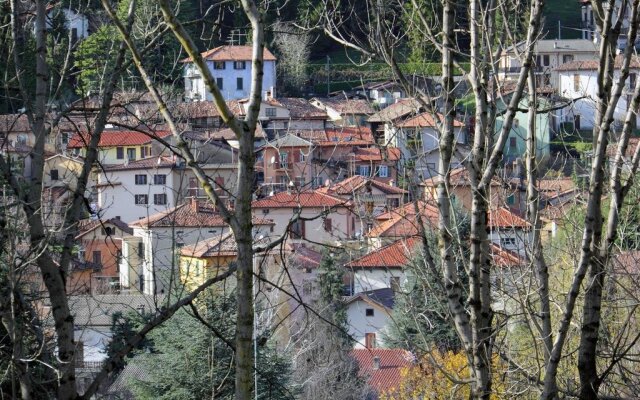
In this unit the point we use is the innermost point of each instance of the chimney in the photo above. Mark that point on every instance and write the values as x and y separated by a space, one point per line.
194 204
376 363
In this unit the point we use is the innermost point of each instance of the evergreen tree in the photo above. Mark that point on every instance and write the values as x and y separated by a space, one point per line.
186 360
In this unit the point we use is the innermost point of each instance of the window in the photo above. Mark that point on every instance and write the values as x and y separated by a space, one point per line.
632 81
118 260
218 65
120 153
284 160
143 152
307 287
107 231
54 175
297 230
303 156
219 83
142 199
567 58
239 84
141 250
74 35
219 181
394 283
576 82
512 142
239 65
193 188
160 199
545 60
141 179
160 179
369 312
383 171
364 170
511 199
270 111
370 340
508 242
65 137
131 154
327 224
97 257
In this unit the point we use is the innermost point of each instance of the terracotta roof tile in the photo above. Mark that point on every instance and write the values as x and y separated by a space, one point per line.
347 136
425 120
88 225
376 154
217 246
457 177
145 163
503 218
192 213
392 362
205 109
313 199
592 65
300 108
631 148
402 222
350 185
232 53
394 255
505 258
396 110
111 138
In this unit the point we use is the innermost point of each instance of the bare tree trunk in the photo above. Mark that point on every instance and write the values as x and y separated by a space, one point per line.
536 254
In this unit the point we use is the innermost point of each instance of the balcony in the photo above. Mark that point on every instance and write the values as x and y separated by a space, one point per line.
79 265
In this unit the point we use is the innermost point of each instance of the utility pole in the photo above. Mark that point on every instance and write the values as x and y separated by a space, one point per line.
326 68
559 33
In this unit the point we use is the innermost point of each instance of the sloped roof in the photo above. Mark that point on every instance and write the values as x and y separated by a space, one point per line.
504 257
504 218
288 141
394 255
356 182
304 256
217 246
402 221
392 362
457 177
97 309
347 106
631 148
145 163
205 109
592 65
312 199
14 123
232 53
347 136
112 138
376 154
384 298
192 213
300 108
426 120
396 110
88 225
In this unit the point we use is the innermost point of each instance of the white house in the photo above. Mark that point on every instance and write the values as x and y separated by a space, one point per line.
137 189
149 257
548 55
368 316
76 22
324 218
384 267
231 68
579 80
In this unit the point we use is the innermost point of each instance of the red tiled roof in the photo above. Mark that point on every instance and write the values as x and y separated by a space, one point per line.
426 120
217 246
232 53
505 258
592 65
304 256
396 110
394 255
347 137
457 177
612 149
192 213
376 154
402 222
392 362
503 218
116 138
145 163
299 108
87 225
314 199
356 182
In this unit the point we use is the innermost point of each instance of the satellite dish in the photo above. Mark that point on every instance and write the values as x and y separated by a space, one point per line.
273 159
271 193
